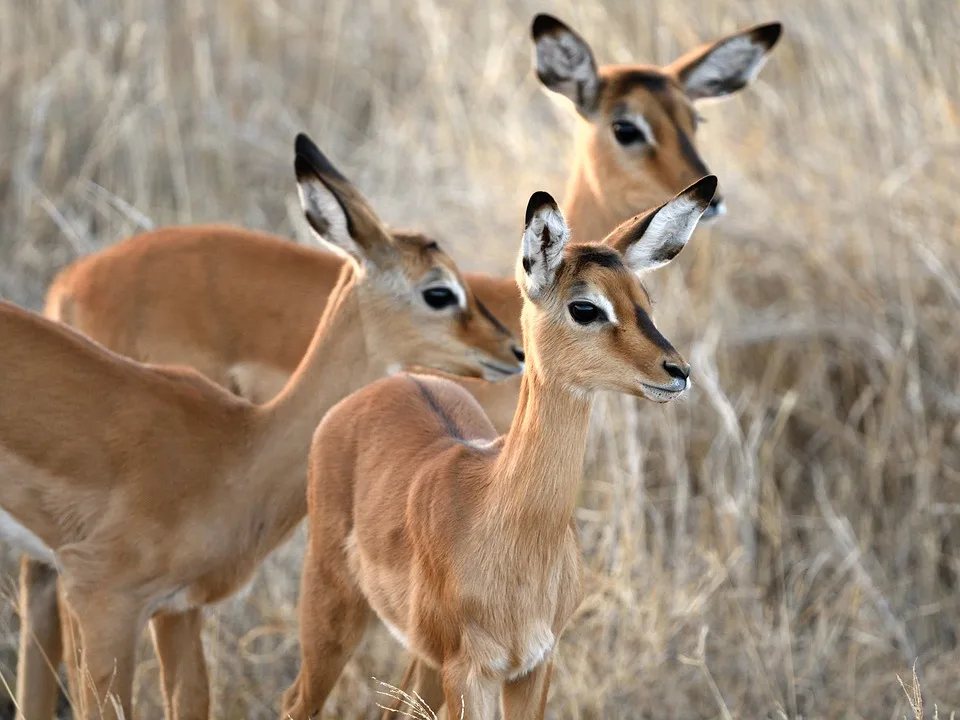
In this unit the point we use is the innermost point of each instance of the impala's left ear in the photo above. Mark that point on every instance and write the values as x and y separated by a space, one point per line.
545 235
565 63
651 240
727 65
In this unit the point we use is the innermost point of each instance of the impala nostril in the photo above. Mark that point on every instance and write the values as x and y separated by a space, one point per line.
674 370
518 353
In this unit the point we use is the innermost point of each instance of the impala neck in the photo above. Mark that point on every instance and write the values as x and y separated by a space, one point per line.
538 471
586 210
337 363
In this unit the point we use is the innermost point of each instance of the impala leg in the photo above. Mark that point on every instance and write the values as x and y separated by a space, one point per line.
467 694
178 640
40 641
419 680
109 627
71 648
526 697
333 617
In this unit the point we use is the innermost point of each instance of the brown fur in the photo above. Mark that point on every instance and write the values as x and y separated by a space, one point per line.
159 492
190 296
462 541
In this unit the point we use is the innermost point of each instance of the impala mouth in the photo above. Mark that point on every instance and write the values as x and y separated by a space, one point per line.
495 371
665 393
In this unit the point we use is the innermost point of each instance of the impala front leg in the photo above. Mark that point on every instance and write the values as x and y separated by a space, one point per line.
467 694
109 626
420 680
41 646
526 697
333 617
178 640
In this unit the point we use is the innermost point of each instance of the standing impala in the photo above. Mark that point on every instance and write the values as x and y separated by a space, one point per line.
462 542
241 307
155 492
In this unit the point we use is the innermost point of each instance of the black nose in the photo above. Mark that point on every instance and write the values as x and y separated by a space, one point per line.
674 370
518 353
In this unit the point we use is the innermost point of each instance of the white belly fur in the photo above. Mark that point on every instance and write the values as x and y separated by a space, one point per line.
16 535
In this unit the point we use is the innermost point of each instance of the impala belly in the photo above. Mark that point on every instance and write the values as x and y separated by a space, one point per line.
16 535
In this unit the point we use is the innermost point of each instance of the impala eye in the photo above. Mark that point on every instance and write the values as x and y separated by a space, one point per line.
439 297
585 313
627 133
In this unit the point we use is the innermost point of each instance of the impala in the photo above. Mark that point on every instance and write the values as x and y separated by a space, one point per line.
156 492
462 542
241 307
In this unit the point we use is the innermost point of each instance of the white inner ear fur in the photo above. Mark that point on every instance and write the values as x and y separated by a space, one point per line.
738 60
322 209
543 260
601 301
566 58
667 233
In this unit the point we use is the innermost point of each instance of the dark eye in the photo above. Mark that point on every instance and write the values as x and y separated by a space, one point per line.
585 313
439 297
627 133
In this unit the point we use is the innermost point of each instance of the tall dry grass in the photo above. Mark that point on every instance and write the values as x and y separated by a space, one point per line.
782 545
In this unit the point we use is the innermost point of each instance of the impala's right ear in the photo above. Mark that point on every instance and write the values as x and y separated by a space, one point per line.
565 63
545 235
335 210
652 239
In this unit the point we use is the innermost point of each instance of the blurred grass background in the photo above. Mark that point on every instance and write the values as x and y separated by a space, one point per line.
782 545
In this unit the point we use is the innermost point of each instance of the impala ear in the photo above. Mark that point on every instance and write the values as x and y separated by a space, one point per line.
565 63
338 214
727 65
651 240
545 235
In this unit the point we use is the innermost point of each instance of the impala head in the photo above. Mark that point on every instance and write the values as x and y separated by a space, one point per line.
587 316
639 121
415 305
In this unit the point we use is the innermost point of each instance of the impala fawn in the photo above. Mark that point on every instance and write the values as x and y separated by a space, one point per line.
463 542
155 492
635 146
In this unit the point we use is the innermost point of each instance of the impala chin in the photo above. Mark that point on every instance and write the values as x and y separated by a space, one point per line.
665 393
493 371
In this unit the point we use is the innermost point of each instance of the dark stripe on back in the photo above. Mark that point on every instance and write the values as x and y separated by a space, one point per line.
448 424
491 317
649 330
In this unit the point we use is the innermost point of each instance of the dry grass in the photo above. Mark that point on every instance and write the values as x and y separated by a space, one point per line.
787 542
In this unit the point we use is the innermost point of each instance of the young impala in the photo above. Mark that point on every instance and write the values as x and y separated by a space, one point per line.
463 542
241 307
155 492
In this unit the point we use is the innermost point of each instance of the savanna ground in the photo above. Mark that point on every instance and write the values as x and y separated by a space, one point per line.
783 544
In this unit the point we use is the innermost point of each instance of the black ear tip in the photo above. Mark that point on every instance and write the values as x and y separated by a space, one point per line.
706 188
309 159
303 145
539 200
303 168
768 34
543 24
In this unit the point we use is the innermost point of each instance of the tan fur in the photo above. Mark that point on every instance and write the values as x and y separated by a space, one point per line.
159 492
241 307
461 541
